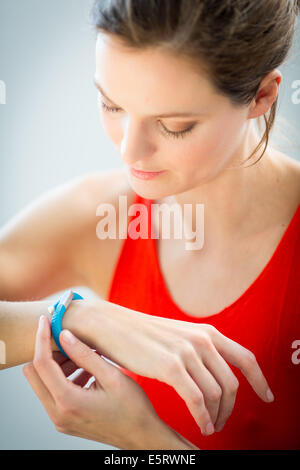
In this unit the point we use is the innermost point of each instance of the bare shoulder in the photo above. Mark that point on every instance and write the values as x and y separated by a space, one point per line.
289 163
292 165
53 237
104 187
95 258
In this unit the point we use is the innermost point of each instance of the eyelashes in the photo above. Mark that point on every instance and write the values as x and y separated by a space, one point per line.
176 135
108 108
165 131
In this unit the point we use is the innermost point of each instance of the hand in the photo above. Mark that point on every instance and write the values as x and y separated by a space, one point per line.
191 357
113 409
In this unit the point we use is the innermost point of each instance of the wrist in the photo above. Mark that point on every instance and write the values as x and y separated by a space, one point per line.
160 436
48 304
104 324
78 318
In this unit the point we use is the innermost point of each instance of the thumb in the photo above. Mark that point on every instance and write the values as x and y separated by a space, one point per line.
87 359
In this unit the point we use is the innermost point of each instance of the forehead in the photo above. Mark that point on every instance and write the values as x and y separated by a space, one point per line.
148 74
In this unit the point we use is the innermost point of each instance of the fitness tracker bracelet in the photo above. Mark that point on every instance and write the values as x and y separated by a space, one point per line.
58 310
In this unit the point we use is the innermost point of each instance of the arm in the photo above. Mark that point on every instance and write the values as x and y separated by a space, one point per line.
19 322
38 245
38 256
153 347
19 325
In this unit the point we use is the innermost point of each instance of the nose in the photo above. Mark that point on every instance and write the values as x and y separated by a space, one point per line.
135 145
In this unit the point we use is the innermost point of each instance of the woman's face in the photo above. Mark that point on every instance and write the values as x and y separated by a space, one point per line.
141 87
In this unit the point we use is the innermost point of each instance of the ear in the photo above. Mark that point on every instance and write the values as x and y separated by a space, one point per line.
266 94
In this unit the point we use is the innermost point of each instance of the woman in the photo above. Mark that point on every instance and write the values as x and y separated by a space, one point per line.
200 72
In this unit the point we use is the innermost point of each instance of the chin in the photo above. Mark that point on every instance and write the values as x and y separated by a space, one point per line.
147 193
147 189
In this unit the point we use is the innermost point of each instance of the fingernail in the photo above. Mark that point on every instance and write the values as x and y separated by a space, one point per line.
219 427
68 337
209 428
270 395
41 321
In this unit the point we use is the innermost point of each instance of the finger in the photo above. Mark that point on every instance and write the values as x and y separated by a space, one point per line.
38 386
208 385
189 391
49 371
227 381
85 357
68 367
245 360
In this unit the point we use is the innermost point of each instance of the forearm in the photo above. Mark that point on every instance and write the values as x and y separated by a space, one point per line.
88 320
110 328
18 327
98 323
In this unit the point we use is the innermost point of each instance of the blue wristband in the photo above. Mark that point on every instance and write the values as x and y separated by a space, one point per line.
59 309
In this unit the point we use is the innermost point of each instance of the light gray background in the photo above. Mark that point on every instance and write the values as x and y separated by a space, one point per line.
50 132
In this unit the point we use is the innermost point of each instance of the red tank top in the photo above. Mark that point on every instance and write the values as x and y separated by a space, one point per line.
265 319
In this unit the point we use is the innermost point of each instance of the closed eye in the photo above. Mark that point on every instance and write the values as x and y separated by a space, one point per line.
165 131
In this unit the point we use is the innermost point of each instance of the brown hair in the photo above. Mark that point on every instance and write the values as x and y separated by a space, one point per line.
235 42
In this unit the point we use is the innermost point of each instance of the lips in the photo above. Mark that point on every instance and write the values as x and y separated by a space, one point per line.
146 175
147 171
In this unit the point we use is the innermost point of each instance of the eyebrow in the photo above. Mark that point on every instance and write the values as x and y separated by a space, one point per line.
174 114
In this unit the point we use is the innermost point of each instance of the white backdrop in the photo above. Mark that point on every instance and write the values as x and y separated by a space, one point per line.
50 132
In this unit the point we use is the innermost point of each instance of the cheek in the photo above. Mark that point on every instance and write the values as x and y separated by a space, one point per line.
210 149
215 145
228 138
197 152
